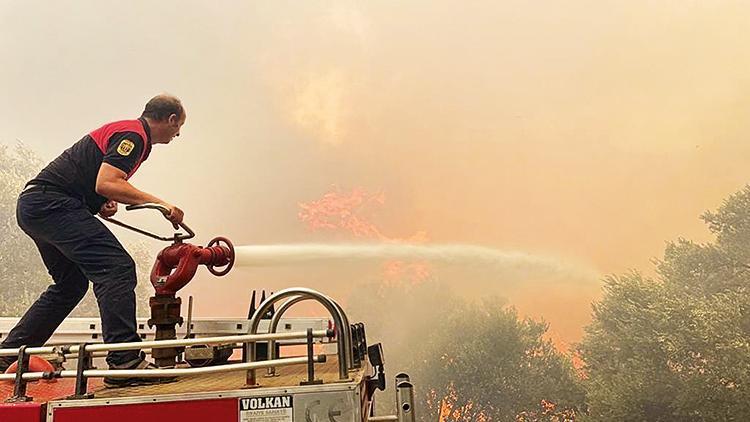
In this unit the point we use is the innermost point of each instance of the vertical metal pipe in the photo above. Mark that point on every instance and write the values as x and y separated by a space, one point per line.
189 317
310 362
405 402
310 366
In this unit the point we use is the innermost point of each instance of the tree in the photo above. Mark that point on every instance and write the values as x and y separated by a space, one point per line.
677 347
469 361
18 274
22 274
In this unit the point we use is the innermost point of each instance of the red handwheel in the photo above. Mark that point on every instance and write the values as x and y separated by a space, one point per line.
222 253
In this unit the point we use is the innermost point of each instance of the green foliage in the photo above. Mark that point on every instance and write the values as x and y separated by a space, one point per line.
20 266
22 274
470 361
678 347
500 365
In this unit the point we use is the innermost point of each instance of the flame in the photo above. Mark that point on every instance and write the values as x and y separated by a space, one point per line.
579 365
319 94
450 410
318 106
340 211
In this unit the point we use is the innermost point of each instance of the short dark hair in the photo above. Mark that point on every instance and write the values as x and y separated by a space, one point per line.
162 106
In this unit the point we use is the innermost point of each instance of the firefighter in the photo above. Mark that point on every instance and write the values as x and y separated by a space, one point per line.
57 210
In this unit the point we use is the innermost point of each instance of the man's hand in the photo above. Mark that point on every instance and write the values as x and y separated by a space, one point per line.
108 209
175 214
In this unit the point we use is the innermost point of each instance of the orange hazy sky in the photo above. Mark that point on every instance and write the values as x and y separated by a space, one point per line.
591 131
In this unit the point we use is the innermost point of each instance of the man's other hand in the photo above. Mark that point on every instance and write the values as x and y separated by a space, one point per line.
108 209
175 214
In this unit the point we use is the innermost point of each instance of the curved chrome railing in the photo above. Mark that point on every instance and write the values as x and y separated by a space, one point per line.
276 319
342 328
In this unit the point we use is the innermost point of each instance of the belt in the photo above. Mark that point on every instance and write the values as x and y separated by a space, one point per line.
45 188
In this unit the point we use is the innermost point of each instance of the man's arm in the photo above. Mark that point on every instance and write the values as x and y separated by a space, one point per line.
112 184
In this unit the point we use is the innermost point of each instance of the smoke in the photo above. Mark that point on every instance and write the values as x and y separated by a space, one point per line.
582 130
541 287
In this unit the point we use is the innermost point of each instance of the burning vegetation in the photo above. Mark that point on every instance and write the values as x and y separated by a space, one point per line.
669 348
451 345
346 212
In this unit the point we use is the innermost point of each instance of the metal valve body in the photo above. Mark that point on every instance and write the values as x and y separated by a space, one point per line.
175 266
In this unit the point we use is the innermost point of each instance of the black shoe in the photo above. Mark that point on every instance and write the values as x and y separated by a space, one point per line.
140 363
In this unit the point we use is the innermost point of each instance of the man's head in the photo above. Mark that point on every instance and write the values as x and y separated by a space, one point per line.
165 117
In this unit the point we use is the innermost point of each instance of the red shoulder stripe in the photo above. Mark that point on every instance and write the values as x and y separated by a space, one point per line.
102 135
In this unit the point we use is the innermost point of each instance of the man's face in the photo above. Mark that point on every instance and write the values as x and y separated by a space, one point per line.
174 125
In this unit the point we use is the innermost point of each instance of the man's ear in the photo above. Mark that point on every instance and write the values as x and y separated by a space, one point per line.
173 119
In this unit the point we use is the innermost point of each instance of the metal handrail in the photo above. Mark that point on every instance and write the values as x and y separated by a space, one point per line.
273 325
340 319
157 373
276 319
159 344
343 336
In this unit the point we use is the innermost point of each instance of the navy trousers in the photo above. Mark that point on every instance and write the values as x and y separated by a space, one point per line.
76 247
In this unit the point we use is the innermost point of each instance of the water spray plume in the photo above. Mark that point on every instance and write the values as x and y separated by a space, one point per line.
504 262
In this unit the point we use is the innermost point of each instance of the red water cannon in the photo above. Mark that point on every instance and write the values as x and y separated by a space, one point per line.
175 266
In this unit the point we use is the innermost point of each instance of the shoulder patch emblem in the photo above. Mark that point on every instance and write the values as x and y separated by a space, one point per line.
126 147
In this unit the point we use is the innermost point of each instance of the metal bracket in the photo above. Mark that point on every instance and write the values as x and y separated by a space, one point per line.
84 363
357 346
363 340
19 390
311 380
375 356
